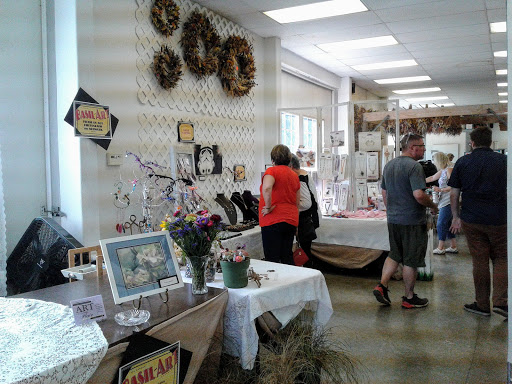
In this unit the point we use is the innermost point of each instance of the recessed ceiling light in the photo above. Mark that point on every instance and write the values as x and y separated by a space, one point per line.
500 54
416 90
501 71
370 42
412 100
503 101
502 84
502 93
384 65
396 80
316 11
499 27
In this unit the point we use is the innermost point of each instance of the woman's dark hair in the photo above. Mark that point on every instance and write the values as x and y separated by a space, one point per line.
280 155
295 163
482 137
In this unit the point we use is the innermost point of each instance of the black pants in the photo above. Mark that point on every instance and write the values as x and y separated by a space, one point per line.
277 242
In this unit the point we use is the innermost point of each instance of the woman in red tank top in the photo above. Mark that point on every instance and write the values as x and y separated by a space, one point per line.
278 208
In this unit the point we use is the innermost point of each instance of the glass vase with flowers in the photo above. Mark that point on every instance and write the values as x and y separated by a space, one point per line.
194 233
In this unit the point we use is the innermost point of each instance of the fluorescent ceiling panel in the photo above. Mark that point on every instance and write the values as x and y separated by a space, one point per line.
372 42
432 98
502 93
503 101
499 27
410 79
500 54
387 64
501 71
416 90
316 11
502 84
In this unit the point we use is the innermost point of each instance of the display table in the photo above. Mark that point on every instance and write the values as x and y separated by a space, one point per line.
294 289
178 319
251 238
40 343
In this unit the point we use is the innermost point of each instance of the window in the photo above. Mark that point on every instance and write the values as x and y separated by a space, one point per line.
309 133
290 130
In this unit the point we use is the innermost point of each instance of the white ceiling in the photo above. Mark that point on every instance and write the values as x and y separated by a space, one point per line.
449 39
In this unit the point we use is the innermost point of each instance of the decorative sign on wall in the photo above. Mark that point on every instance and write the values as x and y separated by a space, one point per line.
208 160
185 132
91 120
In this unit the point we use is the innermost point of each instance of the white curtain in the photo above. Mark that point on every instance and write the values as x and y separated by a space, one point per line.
3 246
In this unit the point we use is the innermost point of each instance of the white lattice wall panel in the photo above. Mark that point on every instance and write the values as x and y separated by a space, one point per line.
202 96
158 133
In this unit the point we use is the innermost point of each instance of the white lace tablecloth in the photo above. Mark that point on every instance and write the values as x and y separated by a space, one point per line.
362 233
40 343
285 297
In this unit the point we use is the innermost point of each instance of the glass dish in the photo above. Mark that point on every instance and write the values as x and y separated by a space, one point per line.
132 317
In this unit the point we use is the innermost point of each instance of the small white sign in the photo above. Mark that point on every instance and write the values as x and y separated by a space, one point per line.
168 281
88 309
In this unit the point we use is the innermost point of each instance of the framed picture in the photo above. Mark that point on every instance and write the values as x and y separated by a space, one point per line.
337 138
182 163
239 172
140 265
208 160
185 132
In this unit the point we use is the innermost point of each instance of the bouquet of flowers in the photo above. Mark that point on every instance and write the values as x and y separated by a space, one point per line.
193 233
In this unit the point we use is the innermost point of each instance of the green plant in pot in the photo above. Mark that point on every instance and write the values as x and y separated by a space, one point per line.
194 233
234 266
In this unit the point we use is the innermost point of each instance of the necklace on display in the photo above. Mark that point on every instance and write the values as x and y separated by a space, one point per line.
328 206
360 191
343 162
343 199
360 164
372 164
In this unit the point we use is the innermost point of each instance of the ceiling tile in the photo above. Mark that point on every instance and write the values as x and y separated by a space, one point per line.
428 10
444 33
495 15
435 44
440 22
377 54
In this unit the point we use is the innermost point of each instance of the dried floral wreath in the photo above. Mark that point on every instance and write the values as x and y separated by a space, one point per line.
237 67
198 27
168 24
167 67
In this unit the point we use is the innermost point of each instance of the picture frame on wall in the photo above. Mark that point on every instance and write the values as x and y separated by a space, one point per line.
208 160
141 265
239 172
186 132
182 163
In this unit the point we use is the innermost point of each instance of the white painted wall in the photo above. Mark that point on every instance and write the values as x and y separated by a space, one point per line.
21 106
443 138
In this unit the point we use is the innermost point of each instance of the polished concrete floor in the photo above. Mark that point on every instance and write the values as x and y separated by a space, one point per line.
441 343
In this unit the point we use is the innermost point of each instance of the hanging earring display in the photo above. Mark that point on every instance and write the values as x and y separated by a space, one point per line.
373 190
343 167
360 169
343 199
361 194
325 166
121 202
388 153
372 163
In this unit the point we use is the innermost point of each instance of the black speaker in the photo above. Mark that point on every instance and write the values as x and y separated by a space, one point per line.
353 88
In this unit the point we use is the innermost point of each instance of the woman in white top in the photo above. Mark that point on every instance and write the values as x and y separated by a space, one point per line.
444 218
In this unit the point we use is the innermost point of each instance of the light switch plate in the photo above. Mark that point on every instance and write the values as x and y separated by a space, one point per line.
114 159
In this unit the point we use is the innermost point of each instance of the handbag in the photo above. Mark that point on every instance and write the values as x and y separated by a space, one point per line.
299 256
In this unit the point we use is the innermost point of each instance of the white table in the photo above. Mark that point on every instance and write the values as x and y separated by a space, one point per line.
285 297
362 233
39 343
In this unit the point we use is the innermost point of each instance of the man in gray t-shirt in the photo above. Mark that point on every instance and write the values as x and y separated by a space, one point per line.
403 191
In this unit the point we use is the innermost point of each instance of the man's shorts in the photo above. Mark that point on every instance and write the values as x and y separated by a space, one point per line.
408 244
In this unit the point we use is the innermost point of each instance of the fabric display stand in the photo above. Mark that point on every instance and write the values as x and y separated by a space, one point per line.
228 207
248 212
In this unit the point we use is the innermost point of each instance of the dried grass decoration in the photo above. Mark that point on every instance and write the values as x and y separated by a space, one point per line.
199 27
167 67
169 23
237 67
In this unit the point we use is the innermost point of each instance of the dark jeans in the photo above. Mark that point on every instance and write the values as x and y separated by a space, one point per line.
277 242
444 220
488 242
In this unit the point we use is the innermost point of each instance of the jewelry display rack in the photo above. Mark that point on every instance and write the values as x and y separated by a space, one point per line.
372 162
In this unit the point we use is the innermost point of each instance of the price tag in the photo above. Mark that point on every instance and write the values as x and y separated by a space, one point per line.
88 309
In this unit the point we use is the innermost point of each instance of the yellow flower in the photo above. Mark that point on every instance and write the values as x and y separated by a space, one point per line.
191 217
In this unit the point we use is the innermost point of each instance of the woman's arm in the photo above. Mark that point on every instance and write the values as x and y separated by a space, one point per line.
266 191
434 177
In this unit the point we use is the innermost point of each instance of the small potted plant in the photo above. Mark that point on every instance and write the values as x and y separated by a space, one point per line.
234 266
